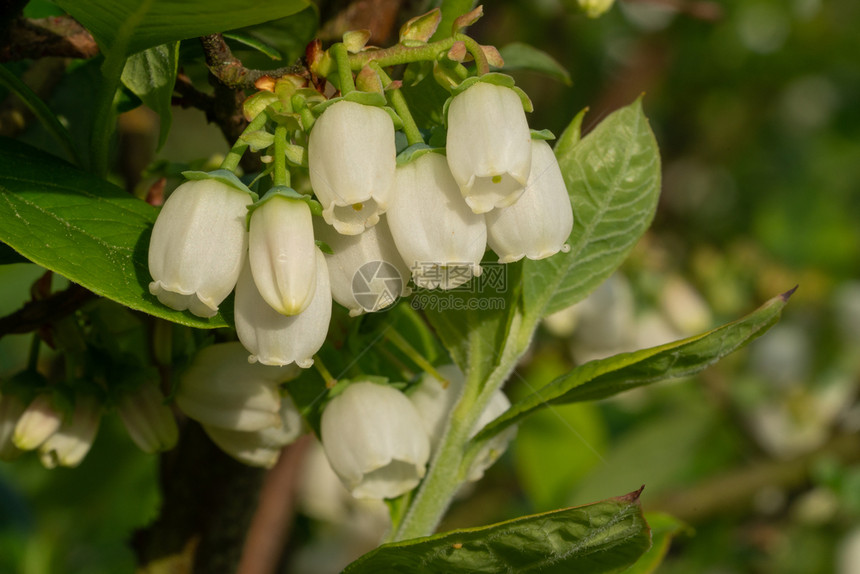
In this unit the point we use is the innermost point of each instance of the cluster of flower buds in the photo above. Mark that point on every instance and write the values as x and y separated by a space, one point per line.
387 213
61 422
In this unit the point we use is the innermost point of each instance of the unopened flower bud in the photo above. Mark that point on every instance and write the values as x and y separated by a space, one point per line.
375 441
38 422
149 422
72 441
11 409
221 388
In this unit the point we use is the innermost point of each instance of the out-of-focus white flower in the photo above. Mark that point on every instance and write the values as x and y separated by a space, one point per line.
440 239
489 145
72 441
848 553
685 308
275 339
149 422
606 321
38 422
434 403
282 253
198 246
351 158
595 8
539 222
496 446
375 441
562 323
366 271
262 447
221 388
11 409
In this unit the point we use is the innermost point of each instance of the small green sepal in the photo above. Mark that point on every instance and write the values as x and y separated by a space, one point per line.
415 151
224 176
545 135
494 78
324 247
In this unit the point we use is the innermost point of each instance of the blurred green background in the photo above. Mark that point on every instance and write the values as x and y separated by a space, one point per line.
754 104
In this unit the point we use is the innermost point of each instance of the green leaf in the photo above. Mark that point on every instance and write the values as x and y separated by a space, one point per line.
473 320
451 10
606 377
571 136
256 44
150 75
603 537
613 178
663 529
81 227
519 56
130 26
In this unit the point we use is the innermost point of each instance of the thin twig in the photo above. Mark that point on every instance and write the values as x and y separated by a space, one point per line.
43 37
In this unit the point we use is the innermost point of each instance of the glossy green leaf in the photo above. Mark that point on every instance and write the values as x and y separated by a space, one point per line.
519 56
663 529
613 178
150 75
606 377
603 537
81 227
473 320
130 26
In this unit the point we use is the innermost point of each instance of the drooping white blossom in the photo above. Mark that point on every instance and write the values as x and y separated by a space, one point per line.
72 441
540 221
375 441
38 422
198 246
275 339
262 447
149 422
351 159
488 145
440 239
221 388
434 400
366 271
282 253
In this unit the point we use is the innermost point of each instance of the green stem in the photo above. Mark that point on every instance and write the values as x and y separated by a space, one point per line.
281 176
410 128
401 343
399 54
231 162
344 71
481 63
42 112
33 356
330 381
300 106
452 461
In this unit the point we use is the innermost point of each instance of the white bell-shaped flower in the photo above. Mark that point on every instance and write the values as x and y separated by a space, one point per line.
262 447
440 239
540 221
488 145
149 422
72 441
374 440
11 409
275 339
221 388
496 446
434 400
198 246
351 158
38 422
366 270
